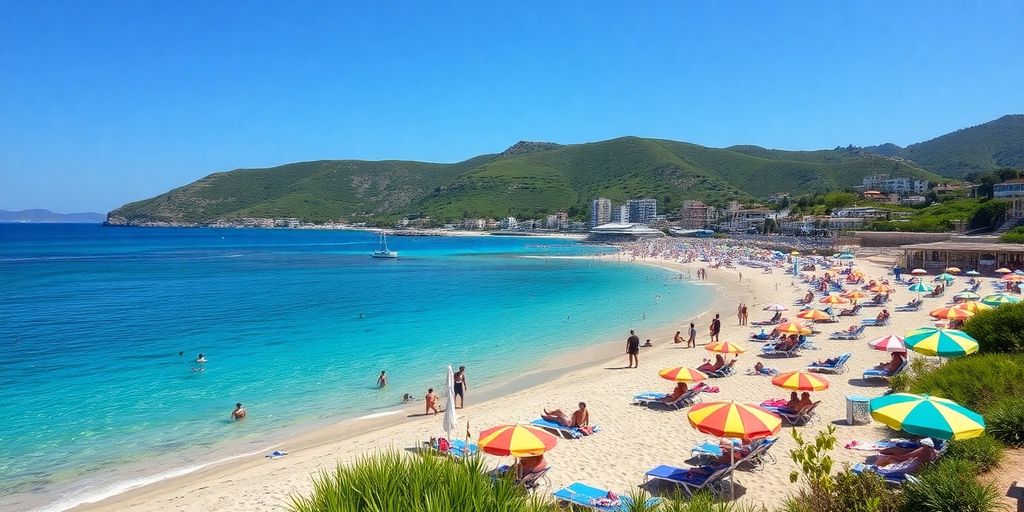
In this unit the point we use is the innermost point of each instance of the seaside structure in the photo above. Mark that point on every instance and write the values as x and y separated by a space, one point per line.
642 211
983 257
889 184
474 224
747 219
509 223
1011 191
696 215
620 213
621 232
600 211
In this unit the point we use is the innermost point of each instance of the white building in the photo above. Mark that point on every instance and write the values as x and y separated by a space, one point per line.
620 214
888 184
861 212
600 212
474 223
509 223
642 211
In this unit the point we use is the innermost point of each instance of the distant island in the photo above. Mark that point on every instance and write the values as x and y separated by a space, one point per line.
39 216
533 180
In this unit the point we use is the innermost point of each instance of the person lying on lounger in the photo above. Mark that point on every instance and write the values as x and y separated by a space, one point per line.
528 465
709 367
893 363
679 391
579 418
788 343
827 362
909 462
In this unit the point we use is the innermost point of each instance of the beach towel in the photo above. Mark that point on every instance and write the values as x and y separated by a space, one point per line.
774 402
277 454
709 389
873 446
611 500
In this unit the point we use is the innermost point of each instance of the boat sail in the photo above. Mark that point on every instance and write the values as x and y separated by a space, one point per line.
383 251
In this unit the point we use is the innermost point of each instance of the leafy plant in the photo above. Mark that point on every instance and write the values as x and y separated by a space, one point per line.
950 485
812 459
984 452
998 330
1005 421
976 382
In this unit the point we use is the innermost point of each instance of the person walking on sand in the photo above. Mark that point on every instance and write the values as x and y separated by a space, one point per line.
461 386
745 314
431 401
691 342
716 327
239 412
739 314
633 349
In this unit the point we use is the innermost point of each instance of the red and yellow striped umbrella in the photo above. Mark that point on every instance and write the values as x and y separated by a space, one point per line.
855 294
516 441
973 306
882 288
833 299
682 374
953 313
793 328
813 314
733 420
725 347
800 381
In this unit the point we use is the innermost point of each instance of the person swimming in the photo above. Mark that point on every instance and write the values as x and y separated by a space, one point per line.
201 358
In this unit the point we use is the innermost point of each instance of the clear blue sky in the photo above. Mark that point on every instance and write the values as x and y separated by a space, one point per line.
107 102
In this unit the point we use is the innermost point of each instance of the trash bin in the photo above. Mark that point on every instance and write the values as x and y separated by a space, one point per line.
857 410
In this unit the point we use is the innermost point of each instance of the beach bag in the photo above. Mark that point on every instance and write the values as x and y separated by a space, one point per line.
443 445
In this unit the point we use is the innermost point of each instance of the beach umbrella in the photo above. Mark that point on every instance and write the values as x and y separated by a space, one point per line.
973 273
855 294
998 299
1003 270
795 253
746 422
724 347
953 270
1013 278
922 288
516 441
776 307
945 277
973 307
682 374
813 314
450 421
952 313
793 328
833 298
1019 272
925 415
890 343
934 341
846 256
967 296
919 272
882 288
800 381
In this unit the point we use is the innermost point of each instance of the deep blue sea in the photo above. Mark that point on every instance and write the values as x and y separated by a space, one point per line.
296 324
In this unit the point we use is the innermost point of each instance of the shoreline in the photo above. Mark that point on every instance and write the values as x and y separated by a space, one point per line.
316 435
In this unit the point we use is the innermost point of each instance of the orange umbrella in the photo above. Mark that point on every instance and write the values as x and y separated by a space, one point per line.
882 288
1013 278
833 299
813 314
855 294
682 374
800 381
793 328
953 270
516 440
973 306
725 347
951 313
1003 270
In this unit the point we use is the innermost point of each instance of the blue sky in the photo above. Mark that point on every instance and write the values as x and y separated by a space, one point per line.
102 103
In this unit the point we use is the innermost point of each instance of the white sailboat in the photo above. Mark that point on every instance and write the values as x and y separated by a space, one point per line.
383 251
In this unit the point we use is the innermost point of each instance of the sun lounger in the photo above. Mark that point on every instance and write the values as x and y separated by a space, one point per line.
836 368
796 418
882 373
873 446
768 349
891 476
781 320
529 481
914 305
724 371
873 322
709 478
687 399
854 311
757 456
585 496
457 449
848 334
559 430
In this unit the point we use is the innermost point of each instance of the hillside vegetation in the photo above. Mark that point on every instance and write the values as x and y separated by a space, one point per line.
531 180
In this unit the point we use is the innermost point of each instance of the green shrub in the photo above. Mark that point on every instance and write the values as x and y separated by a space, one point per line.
998 330
984 452
1013 236
393 481
1005 421
847 492
976 382
950 485
700 502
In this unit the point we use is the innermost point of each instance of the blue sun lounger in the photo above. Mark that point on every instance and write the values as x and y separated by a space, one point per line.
561 430
689 398
836 368
690 481
583 495
881 373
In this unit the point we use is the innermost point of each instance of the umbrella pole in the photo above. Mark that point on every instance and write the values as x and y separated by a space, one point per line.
732 470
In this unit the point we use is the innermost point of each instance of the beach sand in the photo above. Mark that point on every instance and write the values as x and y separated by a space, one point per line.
633 439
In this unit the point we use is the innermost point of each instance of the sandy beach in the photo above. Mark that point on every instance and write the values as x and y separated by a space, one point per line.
633 439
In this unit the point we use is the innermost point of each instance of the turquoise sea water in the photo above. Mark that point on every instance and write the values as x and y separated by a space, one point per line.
295 324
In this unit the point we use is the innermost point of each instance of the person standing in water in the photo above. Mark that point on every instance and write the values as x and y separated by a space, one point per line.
239 412
461 386
382 380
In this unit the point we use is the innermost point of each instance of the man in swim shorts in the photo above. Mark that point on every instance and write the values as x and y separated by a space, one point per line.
460 387
633 349
239 412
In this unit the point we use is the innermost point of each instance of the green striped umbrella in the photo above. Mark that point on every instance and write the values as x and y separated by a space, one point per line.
945 277
998 299
925 415
922 288
933 341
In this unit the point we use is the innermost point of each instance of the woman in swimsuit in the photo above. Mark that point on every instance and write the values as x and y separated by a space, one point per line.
580 418
431 401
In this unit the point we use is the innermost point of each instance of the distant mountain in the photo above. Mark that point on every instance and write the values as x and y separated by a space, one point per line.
985 147
46 216
527 180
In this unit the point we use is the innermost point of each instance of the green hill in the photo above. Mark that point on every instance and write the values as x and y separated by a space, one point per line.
528 180
985 147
